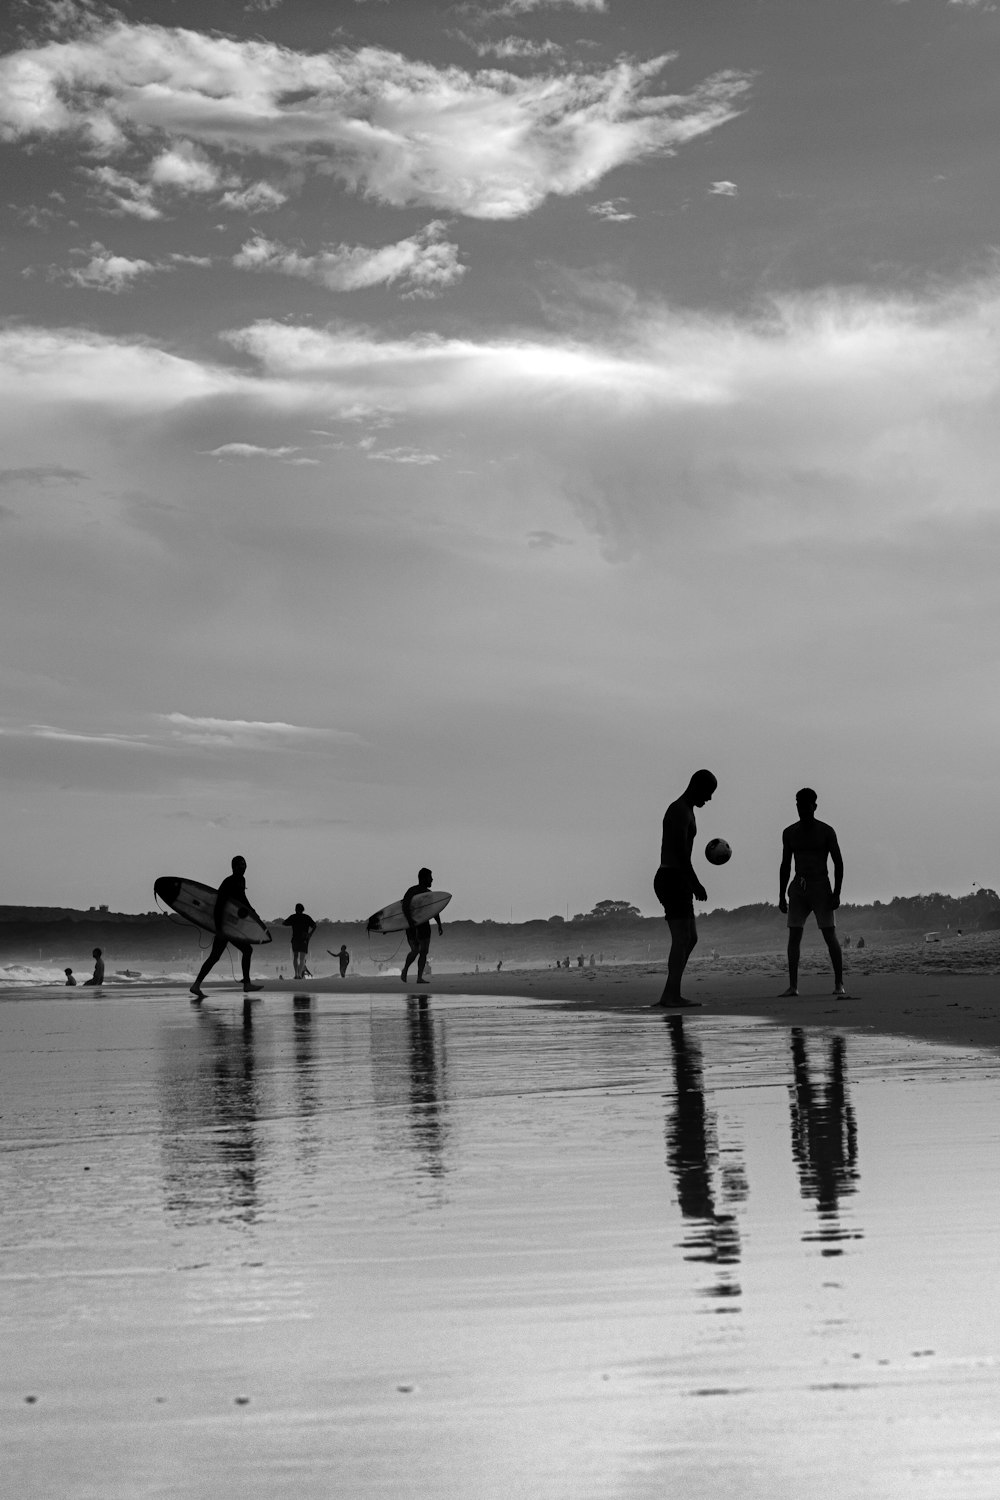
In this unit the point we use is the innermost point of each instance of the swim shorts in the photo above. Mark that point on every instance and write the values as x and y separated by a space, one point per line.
805 896
674 894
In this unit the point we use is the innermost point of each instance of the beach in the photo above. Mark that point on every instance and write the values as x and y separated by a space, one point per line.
515 1235
932 1000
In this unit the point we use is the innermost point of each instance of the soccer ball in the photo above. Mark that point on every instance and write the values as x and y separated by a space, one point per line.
717 852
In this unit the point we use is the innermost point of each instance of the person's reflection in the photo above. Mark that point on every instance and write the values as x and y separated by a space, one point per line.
824 1138
426 1113
212 1100
307 1094
711 1235
409 1083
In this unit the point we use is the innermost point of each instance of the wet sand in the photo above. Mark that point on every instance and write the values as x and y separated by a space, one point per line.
929 1003
461 1246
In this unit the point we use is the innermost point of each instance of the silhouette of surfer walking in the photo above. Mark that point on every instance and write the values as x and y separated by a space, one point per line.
418 934
677 886
233 888
810 844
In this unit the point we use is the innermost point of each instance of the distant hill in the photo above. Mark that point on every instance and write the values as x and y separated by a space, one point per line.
613 932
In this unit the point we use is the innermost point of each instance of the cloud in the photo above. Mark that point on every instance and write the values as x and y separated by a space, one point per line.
489 145
546 540
41 474
248 450
522 7
403 456
185 168
723 189
252 734
256 198
118 193
106 272
422 265
512 46
611 211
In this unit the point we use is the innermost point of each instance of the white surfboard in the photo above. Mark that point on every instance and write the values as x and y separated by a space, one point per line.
424 907
195 902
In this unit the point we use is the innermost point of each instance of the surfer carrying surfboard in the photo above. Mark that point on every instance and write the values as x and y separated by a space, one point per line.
418 934
233 888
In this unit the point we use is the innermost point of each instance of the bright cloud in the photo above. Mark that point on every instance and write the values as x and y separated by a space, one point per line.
249 450
251 734
106 272
184 168
724 189
611 211
421 265
118 193
489 145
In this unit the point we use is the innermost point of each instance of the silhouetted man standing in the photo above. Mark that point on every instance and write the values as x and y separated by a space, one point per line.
303 927
676 885
810 844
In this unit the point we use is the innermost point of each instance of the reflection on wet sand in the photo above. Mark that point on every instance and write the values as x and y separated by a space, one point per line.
409 1074
692 1151
211 1108
824 1139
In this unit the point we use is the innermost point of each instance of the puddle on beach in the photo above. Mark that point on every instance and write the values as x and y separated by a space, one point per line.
459 1248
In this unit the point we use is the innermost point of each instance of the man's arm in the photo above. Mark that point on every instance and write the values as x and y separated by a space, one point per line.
784 874
838 868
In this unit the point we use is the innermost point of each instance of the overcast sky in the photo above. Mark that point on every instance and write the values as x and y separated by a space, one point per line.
430 431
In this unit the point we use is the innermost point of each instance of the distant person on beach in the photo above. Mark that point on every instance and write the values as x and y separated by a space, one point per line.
233 888
303 927
418 934
499 964
342 956
98 975
810 844
861 942
69 976
677 886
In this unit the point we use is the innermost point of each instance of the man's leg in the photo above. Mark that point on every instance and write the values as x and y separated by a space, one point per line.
217 950
836 958
794 948
425 943
412 939
683 941
246 952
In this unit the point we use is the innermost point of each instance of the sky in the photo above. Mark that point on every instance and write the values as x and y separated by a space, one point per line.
431 431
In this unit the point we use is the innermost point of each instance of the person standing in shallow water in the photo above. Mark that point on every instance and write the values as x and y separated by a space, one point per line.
810 844
677 886
98 975
233 888
418 934
303 927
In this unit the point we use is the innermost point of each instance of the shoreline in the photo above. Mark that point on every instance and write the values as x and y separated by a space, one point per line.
941 1005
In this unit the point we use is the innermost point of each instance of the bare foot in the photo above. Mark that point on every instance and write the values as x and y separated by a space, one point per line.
790 994
838 989
197 993
248 987
679 1004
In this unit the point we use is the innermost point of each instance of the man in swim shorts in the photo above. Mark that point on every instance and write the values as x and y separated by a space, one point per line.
303 927
676 885
810 843
418 934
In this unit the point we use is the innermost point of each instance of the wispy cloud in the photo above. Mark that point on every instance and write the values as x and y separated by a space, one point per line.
611 211
249 450
251 734
105 271
723 189
489 145
41 474
422 265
